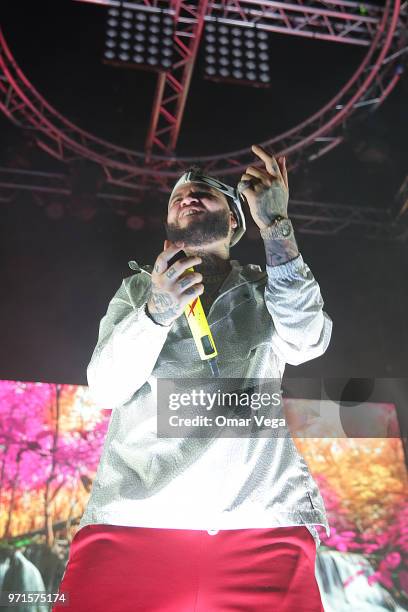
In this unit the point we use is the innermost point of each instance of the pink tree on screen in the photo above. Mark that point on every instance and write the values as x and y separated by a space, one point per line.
44 444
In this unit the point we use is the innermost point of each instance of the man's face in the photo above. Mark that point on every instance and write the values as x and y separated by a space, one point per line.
198 215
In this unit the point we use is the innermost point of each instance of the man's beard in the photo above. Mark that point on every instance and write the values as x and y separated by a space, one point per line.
205 229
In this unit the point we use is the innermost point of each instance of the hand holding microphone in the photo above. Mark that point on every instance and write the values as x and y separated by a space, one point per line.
176 289
172 287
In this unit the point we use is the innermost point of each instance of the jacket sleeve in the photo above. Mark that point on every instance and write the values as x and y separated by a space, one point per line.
128 346
302 330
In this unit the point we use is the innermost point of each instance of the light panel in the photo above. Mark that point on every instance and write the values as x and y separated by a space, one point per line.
236 54
138 39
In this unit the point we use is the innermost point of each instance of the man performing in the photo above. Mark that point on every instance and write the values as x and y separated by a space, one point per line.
188 524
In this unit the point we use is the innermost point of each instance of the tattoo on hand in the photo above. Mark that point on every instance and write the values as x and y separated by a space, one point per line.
170 273
190 290
184 281
164 308
271 203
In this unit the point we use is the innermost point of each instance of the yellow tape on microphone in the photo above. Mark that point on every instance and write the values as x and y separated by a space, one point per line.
199 327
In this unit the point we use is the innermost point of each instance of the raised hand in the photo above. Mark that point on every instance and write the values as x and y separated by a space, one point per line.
266 189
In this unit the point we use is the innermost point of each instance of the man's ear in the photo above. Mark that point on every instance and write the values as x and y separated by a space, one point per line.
234 223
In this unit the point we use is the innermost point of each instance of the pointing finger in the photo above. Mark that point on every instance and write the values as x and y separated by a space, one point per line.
285 172
270 162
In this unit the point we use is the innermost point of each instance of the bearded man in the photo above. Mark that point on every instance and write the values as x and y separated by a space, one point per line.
207 525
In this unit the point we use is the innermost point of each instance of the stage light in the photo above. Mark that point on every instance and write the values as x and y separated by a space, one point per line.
244 48
139 39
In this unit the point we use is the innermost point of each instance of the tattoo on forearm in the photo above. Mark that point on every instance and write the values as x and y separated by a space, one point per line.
279 251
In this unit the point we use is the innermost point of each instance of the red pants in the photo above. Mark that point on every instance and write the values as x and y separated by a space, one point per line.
128 569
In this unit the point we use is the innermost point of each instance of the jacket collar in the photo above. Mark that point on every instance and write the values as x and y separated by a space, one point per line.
240 274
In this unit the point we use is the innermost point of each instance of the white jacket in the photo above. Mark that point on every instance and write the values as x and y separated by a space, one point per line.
259 321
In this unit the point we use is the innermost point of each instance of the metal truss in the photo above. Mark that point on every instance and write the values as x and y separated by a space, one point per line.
172 86
311 217
365 91
336 20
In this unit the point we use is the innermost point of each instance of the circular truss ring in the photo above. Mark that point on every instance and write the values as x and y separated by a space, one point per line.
368 87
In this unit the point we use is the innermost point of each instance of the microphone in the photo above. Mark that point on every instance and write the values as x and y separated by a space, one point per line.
197 321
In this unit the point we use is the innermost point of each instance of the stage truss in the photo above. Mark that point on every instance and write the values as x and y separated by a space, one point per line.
310 217
381 30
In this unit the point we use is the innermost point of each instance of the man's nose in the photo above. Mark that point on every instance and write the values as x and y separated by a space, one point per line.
188 199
